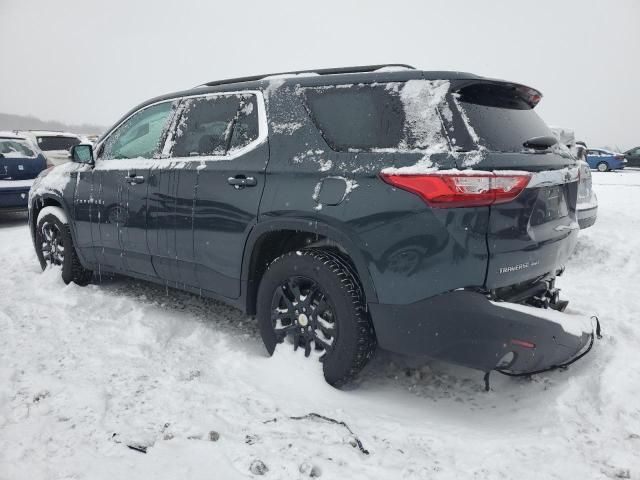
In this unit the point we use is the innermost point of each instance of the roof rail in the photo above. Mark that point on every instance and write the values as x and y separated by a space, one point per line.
321 71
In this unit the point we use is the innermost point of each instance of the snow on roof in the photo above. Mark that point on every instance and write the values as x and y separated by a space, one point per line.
7 134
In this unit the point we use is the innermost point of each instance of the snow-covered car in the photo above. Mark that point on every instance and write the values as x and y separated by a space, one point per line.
309 202
587 200
587 205
54 145
20 163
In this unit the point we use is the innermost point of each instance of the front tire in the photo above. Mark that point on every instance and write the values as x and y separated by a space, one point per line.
55 249
312 298
603 167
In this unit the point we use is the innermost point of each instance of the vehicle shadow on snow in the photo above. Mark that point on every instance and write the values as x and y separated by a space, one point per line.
421 377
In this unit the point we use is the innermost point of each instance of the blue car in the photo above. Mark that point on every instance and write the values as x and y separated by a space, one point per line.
604 160
20 164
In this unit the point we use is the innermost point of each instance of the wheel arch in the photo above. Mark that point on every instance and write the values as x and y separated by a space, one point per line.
48 200
271 238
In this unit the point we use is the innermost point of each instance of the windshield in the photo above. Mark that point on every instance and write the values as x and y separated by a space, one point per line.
57 143
15 147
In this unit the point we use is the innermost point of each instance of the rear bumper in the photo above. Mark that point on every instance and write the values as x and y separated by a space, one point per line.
14 198
587 217
465 328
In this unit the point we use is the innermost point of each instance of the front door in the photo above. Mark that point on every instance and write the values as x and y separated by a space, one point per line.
120 183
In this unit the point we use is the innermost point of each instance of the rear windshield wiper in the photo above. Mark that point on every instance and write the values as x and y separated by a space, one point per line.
540 143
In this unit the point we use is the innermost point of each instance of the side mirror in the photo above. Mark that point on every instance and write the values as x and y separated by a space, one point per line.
82 153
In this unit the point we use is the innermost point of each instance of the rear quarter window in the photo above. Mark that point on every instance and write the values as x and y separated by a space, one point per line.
370 117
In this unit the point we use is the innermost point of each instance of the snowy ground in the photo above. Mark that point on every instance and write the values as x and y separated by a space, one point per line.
86 371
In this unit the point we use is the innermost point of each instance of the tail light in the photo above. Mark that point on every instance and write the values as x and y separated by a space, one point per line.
451 190
619 157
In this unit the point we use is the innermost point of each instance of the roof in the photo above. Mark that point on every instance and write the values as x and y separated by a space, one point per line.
4 134
394 72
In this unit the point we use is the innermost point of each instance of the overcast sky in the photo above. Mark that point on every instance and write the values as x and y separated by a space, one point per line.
88 61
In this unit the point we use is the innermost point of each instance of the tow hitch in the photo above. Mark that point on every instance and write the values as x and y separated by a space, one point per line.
541 294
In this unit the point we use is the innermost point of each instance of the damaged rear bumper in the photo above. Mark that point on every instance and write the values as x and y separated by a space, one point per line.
468 329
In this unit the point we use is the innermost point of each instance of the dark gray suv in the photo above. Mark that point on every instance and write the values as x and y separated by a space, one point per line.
425 212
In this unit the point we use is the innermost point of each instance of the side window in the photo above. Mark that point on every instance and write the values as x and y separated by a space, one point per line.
140 135
357 117
215 125
245 129
399 116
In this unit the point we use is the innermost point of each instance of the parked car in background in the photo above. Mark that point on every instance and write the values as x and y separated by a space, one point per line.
54 145
604 160
92 138
20 163
587 207
633 157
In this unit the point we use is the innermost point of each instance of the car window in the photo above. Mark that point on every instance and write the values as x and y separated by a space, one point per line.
501 118
48 143
140 135
15 148
245 128
215 125
399 116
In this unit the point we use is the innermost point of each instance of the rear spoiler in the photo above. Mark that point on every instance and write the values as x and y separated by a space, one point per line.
477 88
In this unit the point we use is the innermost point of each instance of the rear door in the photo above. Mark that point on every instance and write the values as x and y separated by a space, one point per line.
534 234
220 146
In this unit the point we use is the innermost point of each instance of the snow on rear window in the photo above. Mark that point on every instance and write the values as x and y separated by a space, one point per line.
15 148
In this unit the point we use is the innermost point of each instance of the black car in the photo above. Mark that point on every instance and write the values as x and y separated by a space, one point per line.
20 163
633 157
425 212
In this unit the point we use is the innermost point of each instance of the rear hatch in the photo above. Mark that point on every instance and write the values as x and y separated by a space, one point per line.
18 161
496 129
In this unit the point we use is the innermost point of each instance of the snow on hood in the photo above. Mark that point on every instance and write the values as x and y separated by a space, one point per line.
55 180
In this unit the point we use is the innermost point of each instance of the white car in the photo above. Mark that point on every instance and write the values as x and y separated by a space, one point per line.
587 207
54 145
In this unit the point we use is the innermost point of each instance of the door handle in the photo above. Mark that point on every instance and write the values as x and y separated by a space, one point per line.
240 181
134 179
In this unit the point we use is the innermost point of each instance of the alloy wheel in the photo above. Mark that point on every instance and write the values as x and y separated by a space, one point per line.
301 310
52 244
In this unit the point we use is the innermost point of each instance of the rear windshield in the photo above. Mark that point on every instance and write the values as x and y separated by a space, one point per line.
500 117
10 147
364 117
57 143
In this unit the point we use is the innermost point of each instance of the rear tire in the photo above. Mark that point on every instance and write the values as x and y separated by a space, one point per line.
312 298
55 249
603 167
